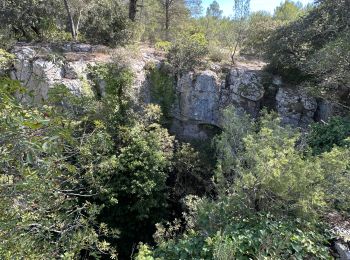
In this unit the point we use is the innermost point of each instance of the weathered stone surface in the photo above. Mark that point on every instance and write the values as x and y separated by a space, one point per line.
343 251
243 89
198 97
41 67
80 47
202 97
75 70
295 107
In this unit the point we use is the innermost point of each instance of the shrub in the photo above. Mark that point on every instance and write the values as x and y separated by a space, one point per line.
216 54
323 136
187 51
163 45
5 60
260 237
46 210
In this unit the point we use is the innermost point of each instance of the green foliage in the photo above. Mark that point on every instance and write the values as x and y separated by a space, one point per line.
230 142
288 11
214 10
336 166
139 184
270 195
307 51
101 22
116 95
265 170
5 60
77 163
144 253
162 89
324 136
163 45
191 176
216 54
261 26
260 237
107 23
272 175
46 210
187 51
28 19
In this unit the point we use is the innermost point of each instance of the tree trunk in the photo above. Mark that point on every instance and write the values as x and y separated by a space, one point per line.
71 21
167 19
132 9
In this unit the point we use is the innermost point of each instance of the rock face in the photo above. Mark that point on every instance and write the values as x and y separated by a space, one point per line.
244 90
295 107
343 251
38 69
198 97
202 97
41 67
197 104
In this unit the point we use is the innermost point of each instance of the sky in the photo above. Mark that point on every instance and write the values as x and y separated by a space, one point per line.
256 5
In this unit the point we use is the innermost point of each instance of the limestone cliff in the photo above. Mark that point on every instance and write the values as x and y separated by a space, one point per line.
200 96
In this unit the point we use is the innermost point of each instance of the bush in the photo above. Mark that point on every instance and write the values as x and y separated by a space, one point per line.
216 54
47 209
324 136
5 61
260 237
306 51
163 45
187 52
270 198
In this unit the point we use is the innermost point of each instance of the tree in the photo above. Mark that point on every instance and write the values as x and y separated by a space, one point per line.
195 7
306 52
132 9
214 10
28 19
174 10
269 207
241 12
288 11
106 22
261 26
186 52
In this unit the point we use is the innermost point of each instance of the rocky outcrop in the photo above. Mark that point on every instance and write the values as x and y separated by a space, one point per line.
198 97
295 107
243 89
41 67
202 97
197 104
